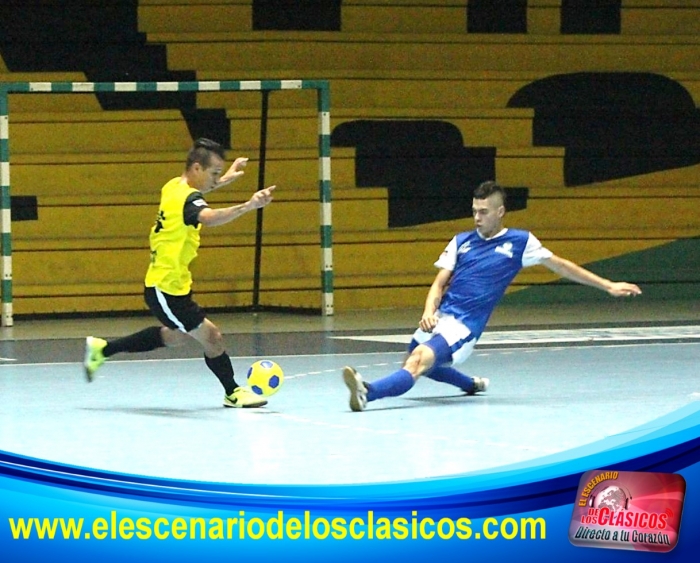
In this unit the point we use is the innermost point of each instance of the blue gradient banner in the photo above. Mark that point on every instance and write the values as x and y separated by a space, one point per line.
520 512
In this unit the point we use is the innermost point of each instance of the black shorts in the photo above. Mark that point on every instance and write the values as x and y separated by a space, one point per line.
178 312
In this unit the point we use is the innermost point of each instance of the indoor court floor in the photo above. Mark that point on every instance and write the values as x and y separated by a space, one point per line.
561 377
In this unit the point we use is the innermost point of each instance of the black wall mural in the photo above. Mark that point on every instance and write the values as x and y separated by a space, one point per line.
296 15
591 17
429 172
482 16
613 125
102 41
497 16
24 208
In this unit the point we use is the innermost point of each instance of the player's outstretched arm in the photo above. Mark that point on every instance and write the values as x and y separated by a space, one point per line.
567 269
215 217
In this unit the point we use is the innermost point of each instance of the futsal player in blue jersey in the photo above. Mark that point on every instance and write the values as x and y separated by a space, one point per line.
475 269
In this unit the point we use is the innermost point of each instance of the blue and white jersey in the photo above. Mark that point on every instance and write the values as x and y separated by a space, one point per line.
482 269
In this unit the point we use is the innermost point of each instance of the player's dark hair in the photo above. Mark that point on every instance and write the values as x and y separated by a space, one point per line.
487 189
201 152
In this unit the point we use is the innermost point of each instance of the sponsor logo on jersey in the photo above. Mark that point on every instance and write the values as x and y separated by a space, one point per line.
506 249
464 248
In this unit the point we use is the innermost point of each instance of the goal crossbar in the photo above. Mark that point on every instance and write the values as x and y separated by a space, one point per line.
324 158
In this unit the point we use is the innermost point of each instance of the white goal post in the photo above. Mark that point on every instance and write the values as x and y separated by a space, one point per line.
324 158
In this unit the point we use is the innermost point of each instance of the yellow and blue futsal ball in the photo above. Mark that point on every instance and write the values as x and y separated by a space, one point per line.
265 377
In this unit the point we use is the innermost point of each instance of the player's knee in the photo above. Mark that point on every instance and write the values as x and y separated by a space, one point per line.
210 337
215 334
419 361
215 340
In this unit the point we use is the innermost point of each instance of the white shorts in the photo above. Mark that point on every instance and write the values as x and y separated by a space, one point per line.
455 333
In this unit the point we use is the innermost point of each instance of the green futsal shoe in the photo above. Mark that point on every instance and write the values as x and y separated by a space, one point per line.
93 356
243 398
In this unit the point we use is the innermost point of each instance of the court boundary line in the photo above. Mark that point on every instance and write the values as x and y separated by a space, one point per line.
487 348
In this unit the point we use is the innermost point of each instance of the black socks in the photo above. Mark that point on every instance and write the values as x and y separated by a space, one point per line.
223 370
142 341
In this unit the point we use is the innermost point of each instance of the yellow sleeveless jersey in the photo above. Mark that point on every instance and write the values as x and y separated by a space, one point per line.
174 244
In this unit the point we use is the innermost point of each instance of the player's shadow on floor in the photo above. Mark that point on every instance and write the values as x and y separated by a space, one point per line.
433 401
179 413
491 400
156 411
447 399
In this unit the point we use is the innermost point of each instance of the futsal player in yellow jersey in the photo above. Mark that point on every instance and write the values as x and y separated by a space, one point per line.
174 243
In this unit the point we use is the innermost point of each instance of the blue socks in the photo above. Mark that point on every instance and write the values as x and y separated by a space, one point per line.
392 385
450 375
402 381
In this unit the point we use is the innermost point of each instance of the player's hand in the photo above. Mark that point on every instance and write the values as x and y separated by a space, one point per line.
262 198
428 323
235 171
624 289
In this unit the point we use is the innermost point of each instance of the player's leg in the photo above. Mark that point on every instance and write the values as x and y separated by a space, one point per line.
215 356
97 350
461 347
452 376
180 313
420 359
219 362
448 374
144 340
451 341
